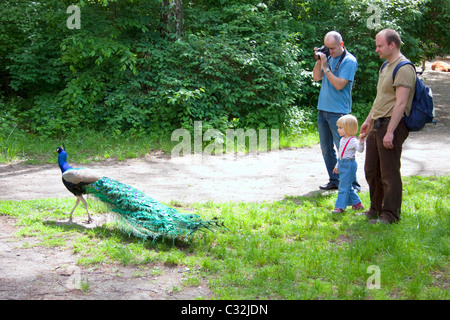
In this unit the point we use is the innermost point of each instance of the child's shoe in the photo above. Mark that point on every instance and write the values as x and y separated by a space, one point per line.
358 206
337 210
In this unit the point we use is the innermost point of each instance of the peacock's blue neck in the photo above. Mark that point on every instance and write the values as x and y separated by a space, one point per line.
62 162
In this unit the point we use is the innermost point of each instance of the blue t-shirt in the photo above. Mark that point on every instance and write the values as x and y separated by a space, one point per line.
332 100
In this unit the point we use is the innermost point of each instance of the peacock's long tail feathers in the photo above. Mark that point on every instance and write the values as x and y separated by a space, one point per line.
143 215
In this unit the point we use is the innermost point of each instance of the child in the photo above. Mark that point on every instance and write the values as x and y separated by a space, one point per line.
346 166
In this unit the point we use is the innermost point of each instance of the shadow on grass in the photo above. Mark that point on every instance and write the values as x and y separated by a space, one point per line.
315 197
101 231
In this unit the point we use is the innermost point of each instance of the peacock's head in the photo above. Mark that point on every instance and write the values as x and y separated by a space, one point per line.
61 149
62 159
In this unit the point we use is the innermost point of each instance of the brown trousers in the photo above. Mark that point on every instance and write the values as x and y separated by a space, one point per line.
382 170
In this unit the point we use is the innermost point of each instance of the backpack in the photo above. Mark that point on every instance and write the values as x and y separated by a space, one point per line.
422 108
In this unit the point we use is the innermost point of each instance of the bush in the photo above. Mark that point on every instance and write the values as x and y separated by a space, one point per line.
240 64
235 70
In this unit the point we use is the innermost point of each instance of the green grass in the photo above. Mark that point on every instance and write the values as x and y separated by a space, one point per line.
290 249
84 147
89 145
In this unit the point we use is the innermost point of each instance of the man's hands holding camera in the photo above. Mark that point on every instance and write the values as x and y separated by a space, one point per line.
322 59
321 54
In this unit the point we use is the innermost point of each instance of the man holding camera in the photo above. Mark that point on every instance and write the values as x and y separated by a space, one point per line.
336 67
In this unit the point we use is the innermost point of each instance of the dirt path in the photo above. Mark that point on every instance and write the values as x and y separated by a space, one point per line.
47 273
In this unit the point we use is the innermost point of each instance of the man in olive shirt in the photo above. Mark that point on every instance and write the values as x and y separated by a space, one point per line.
386 131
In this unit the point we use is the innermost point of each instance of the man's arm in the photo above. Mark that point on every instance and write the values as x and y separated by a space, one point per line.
319 71
401 95
366 126
337 82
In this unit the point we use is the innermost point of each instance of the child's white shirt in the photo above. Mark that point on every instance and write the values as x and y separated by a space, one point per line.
353 146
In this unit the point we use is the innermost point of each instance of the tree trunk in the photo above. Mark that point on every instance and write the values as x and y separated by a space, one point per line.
172 18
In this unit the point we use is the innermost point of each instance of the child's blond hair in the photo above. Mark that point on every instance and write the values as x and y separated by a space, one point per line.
349 123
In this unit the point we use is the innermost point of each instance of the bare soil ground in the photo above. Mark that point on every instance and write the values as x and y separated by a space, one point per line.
52 273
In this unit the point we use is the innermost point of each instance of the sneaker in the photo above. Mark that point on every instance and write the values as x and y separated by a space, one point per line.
337 210
358 206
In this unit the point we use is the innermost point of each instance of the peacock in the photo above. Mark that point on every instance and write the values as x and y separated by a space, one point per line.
139 214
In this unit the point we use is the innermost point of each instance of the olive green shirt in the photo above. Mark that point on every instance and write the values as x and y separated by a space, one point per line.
385 101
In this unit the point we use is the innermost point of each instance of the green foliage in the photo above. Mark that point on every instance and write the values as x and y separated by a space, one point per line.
243 68
30 33
240 64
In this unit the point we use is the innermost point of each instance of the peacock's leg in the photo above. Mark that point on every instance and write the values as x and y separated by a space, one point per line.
76 204
85 205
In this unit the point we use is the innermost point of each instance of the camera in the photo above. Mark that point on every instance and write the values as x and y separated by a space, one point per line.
323 50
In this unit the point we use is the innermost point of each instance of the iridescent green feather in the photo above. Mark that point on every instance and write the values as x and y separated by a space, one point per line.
144 216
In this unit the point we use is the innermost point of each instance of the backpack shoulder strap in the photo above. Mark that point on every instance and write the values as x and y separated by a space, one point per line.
384 65
401 64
